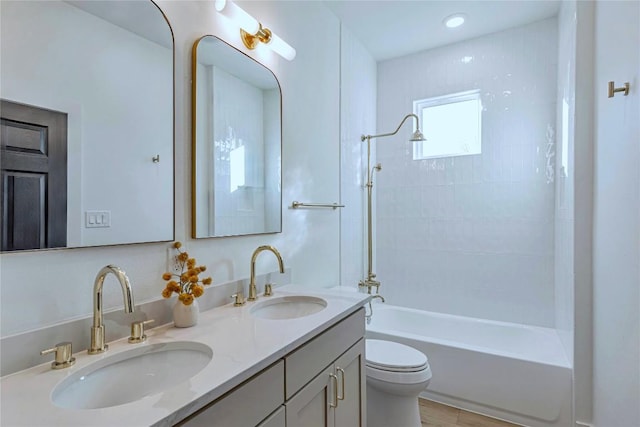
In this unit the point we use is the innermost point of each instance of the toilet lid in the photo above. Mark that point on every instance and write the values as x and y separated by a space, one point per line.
393 356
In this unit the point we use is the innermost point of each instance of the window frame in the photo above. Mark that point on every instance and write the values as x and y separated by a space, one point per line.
421 104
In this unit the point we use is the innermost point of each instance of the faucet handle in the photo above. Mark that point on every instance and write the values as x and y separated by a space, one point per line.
239 299
268 290
64 357
137 331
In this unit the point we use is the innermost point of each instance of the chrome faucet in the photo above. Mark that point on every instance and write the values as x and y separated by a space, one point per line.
97 330
253 292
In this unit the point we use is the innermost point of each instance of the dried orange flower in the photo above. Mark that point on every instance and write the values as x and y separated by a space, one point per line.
189 285
197 290
173 286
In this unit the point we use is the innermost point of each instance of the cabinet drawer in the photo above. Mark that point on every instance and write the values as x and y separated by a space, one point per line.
311 358
246 405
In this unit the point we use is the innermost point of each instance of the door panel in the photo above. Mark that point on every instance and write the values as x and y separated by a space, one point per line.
24 210
33 194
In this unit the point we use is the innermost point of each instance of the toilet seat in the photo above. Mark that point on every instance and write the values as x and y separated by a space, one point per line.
396 363
394 357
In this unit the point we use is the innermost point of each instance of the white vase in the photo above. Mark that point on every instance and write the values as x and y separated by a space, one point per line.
185 316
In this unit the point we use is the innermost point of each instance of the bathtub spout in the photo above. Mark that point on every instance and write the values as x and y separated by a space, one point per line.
377 296
367 317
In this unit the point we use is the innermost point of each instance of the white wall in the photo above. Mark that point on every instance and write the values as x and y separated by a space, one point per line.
616 256
43 288
473 235
357 117
104 123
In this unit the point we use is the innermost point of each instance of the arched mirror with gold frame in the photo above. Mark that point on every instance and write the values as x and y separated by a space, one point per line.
101 171
237 143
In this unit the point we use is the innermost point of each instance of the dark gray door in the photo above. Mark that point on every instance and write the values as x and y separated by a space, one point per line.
33 190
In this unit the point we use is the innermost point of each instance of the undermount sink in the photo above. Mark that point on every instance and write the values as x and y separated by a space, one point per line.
288 307
131 375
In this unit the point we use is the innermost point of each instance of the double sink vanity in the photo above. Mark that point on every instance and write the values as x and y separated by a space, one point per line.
296 358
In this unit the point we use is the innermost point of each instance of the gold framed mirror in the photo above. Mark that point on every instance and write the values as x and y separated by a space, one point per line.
237 143
105 174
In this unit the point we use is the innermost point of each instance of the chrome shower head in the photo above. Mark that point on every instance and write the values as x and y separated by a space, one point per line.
417 136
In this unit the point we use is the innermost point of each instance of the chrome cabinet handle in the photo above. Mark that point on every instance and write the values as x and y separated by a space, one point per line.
334 380
341 372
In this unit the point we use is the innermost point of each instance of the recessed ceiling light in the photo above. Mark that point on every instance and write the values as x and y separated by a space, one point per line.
454 21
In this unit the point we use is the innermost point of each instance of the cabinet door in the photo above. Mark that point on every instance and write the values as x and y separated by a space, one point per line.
312 405
351 373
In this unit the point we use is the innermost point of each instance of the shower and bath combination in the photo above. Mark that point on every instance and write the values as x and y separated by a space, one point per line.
370 281
396 373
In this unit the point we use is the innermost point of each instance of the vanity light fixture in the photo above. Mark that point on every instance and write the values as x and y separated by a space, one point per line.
454 21
252 32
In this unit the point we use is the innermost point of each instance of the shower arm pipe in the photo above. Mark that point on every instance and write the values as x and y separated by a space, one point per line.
370 280
370 137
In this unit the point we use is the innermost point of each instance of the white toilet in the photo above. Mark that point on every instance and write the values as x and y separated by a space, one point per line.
396 374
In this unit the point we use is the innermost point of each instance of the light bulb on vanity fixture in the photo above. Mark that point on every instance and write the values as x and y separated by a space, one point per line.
252 32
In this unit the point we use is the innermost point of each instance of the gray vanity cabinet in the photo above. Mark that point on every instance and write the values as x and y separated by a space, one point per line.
321 383
334 398
351 410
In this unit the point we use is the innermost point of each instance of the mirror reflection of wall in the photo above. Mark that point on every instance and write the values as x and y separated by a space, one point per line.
237 143
107 66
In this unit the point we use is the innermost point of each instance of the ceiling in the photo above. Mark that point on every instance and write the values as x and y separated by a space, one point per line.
389 29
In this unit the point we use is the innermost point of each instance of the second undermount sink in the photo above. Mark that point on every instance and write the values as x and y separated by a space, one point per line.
131 375
288 307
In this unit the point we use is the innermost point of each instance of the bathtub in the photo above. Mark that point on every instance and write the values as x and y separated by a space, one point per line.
505 370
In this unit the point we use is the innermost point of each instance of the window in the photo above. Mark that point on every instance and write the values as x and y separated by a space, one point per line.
452 125
236 166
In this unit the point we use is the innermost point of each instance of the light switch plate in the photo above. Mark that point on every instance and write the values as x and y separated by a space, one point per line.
97 219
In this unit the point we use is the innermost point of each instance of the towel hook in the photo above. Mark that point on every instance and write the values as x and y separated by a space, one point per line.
613 89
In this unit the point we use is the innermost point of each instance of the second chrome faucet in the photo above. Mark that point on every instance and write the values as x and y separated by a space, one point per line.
253 292
97 330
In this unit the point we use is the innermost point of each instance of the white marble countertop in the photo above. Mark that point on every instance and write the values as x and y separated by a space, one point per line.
242 345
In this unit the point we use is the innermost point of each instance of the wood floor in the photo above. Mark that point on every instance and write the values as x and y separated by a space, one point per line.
434 414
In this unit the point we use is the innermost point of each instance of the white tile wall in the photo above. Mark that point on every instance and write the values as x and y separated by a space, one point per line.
473 235
357 117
